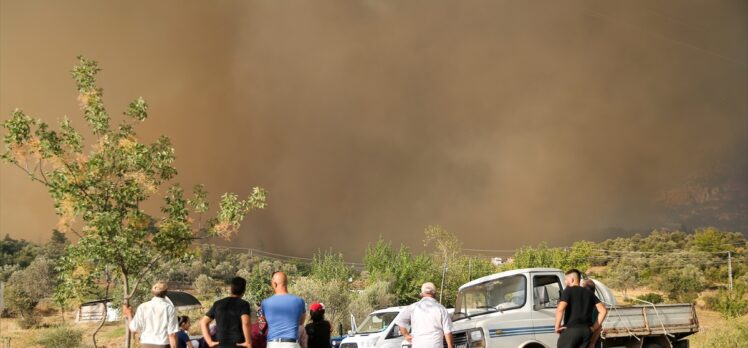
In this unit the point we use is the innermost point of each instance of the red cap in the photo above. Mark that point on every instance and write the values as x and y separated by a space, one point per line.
317 306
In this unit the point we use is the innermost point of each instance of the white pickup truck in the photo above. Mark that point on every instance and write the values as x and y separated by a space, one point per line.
517 309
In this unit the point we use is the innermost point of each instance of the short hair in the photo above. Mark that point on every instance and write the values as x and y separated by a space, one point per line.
238 286
183 319
575 272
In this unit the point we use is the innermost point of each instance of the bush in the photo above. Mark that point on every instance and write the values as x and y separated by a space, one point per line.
60 337
206 286
734 333
29 321
730 304
652 297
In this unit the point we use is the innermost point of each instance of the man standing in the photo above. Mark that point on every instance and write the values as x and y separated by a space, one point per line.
575 308
156 320
233 326
429 321
284 313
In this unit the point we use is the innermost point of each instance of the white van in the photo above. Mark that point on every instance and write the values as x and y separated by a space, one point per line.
378 330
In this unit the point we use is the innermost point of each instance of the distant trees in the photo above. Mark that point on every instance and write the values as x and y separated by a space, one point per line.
579 256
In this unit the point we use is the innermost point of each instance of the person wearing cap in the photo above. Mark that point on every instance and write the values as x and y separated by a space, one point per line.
285 314
429 321
318 331
155 320
232 316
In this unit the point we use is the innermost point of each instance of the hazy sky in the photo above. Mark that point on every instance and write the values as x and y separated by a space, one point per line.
507 122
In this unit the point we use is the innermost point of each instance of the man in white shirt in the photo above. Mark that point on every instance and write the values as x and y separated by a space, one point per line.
429 321
156 320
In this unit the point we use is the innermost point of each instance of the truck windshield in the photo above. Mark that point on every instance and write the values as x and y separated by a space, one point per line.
495 295
376 322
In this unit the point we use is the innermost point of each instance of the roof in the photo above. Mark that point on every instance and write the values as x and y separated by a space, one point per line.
390 309
89 303
495 276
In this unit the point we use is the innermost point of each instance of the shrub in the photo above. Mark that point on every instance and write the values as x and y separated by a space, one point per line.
29 321
60 337
730 304
652 297
206 286
734 333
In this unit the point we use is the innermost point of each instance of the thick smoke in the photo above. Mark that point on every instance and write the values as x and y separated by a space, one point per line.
507 122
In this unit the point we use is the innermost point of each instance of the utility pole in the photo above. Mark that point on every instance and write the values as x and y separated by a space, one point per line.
729 267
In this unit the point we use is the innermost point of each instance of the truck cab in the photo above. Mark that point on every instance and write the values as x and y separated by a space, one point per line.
378 330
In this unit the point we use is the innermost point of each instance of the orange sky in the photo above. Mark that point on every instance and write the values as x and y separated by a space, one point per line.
508 122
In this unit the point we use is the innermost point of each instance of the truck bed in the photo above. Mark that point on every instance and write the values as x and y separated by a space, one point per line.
677 320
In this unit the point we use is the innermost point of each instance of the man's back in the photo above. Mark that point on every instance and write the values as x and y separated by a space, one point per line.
283 313
429 321
580 303
155 320
228 316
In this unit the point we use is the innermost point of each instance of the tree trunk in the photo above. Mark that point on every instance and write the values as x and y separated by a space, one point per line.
103 320
126 302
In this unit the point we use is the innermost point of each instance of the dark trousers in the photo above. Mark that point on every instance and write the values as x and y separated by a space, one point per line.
574 337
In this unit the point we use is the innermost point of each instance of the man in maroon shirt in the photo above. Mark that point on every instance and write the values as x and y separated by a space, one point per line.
259 331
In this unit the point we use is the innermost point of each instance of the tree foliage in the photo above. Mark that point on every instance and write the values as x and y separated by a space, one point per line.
102 190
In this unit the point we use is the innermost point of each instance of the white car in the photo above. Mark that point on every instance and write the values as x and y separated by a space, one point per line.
378 330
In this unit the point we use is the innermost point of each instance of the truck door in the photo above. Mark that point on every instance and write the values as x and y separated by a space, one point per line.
546 291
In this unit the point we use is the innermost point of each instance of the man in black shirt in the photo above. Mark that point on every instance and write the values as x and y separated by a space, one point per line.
232 316
575 308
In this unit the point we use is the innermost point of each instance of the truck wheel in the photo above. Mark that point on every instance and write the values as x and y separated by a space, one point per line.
534 345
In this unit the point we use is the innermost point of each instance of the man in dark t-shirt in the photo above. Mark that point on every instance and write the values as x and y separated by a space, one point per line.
232 316
575 308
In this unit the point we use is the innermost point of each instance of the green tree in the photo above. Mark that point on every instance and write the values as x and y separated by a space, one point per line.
103 190
30 285
712 240
404 271
329 266
622 276
682 283
333 293
578 256
729 304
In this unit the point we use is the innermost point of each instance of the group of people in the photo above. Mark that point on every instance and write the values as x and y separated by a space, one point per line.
281 317
279 324
581 312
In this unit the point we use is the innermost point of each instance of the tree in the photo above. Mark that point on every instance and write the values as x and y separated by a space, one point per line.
712 240
682 283
404 271
329 266
28 286
621 275
102 190
578 256
333 293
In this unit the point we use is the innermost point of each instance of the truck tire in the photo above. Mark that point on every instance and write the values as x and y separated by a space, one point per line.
533 345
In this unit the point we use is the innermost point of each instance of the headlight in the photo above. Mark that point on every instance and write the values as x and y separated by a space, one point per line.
476 335
476 338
